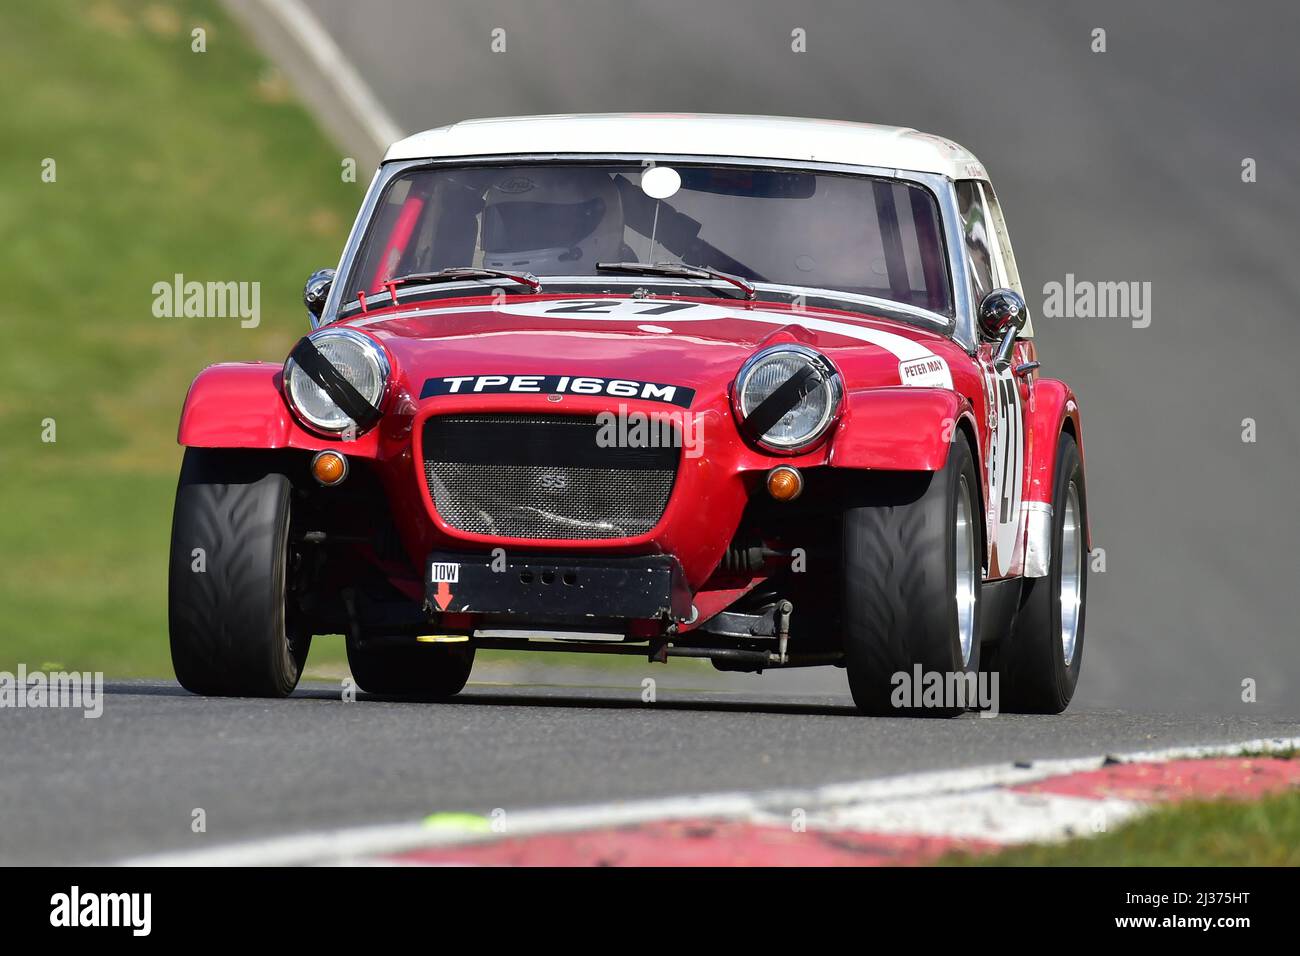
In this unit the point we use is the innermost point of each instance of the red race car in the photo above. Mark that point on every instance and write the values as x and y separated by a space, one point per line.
757 390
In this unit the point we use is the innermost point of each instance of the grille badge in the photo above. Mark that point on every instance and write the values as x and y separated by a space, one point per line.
553 482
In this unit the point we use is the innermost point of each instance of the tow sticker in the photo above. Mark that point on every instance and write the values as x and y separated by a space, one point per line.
439 573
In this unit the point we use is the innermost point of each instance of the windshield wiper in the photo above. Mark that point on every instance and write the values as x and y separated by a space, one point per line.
683 270
458 273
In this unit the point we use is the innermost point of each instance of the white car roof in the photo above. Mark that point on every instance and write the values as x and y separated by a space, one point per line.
696 134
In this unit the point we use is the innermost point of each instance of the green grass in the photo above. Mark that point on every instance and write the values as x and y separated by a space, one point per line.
1263 832
167 161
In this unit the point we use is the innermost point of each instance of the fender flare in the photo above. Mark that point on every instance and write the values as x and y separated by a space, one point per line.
898 428
1055 410
240 405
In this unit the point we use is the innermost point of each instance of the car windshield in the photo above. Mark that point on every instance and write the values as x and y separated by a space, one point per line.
842 233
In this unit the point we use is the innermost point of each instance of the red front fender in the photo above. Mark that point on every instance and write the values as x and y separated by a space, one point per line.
898 429
239 405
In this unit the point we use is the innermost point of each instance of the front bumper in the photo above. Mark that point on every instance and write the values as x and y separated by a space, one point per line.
583 591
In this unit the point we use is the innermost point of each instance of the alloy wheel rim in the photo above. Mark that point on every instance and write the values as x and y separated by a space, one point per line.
967 571
1071 596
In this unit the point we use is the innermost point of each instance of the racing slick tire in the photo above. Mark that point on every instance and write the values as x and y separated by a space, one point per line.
230 625
421 671
911 583
1039 666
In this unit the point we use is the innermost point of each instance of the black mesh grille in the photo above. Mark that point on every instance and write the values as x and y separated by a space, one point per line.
543 476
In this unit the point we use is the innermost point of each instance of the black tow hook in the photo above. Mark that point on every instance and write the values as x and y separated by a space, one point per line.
783 611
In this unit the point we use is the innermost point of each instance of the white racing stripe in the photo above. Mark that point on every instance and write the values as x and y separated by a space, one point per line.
971 803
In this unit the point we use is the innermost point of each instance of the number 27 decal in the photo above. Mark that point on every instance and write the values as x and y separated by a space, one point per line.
609 307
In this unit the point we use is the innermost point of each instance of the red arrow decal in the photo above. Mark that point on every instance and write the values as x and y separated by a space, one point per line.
443 595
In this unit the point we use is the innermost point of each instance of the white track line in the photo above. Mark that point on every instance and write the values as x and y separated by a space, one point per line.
337 70
971 802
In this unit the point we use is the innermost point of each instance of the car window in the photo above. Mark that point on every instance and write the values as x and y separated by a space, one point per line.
977 234
1008 275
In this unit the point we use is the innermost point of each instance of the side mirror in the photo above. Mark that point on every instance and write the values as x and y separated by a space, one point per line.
1002 315
317 290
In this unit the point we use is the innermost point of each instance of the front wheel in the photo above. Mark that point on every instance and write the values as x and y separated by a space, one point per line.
1039 666
232 629
911 589
422 671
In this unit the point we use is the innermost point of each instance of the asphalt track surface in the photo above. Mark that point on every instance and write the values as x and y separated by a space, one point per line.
1115 166
128 782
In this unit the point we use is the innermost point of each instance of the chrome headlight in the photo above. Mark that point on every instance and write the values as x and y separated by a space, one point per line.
787 396
325 404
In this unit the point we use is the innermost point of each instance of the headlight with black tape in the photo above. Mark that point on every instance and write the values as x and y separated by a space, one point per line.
335 378
786 397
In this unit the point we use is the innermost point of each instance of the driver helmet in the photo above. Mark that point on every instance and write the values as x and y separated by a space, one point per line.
552 221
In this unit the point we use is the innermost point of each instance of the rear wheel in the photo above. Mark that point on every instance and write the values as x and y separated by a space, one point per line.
911 589
1039 665
424 671
233 633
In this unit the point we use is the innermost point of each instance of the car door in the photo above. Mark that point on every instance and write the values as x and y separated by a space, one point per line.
989 266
